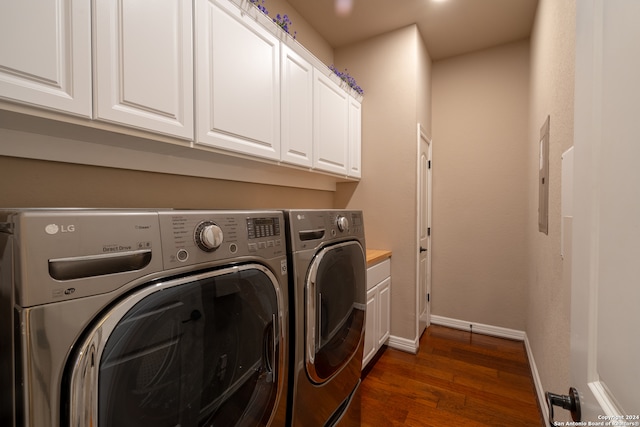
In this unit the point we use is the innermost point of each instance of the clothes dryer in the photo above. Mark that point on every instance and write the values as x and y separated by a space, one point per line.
327 288
143 318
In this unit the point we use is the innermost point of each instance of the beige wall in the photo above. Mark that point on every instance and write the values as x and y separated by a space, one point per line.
480 160
552 82
35 183
306 34
393 70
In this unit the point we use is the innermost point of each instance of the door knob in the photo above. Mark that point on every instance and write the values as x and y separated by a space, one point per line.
422 249
570 402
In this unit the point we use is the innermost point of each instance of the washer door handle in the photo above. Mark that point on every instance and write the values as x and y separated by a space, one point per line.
82 409
270 343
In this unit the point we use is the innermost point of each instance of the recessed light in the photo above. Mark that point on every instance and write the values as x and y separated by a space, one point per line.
343 7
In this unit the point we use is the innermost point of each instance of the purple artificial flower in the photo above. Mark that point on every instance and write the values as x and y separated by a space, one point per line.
348 79
260 5
284 22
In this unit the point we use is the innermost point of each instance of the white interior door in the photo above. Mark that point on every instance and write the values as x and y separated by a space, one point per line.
424 230
605 296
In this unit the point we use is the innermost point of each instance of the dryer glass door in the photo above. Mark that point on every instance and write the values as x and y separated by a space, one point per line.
336 292
198 351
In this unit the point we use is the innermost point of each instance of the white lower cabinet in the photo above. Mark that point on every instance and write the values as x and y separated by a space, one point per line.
378 319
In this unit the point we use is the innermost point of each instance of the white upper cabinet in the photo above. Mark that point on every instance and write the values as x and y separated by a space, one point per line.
355 138
238 81
45 54
297 109
330 125
144 64
217 75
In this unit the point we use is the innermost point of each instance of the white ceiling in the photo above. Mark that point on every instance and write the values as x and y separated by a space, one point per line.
449 27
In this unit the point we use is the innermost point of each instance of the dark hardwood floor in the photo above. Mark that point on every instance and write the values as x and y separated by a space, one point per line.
456 379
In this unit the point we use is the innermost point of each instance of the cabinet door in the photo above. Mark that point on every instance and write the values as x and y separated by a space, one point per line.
297 109
384 312
238 81
370 332
45 54
144 64
330 125
355 138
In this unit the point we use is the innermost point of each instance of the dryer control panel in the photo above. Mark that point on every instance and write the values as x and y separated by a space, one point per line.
310 228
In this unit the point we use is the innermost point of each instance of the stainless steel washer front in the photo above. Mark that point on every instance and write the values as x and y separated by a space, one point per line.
143 318
328 302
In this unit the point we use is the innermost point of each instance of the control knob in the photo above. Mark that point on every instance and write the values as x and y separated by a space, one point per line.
208 236
343 223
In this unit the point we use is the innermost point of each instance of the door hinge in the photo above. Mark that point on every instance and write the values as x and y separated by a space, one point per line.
428 231
428 297
429 165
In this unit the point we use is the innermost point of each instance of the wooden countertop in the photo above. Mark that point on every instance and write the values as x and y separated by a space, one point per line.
375 256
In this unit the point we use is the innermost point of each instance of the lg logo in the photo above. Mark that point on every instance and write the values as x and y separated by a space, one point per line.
55 229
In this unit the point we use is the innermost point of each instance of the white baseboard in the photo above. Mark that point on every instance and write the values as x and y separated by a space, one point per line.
480 328
498 331
403 344
542 401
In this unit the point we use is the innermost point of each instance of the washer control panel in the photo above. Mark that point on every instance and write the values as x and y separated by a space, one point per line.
263 232
208 236
64 254
263 227
191 237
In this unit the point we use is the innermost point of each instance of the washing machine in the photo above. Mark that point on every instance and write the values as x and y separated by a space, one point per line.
117 318
327 289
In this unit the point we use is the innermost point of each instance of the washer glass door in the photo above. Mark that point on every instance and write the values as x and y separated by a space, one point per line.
198 351
336 294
